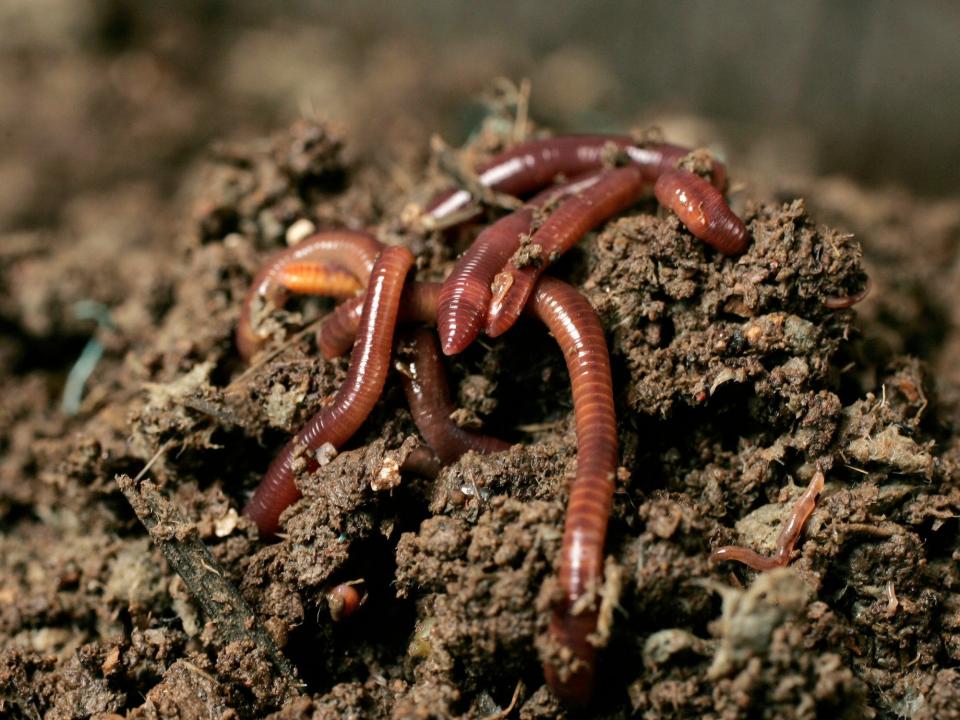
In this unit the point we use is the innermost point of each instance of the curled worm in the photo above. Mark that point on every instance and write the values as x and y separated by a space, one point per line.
343 250
701 207
786 540
575 216
575 325
428 394
366 375
529 166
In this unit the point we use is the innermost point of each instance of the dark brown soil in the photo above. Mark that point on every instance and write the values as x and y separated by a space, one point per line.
734 381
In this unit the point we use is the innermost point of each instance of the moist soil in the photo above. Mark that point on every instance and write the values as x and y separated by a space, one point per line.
130 585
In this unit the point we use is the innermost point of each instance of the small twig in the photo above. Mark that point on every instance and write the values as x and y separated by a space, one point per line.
204 577
509 708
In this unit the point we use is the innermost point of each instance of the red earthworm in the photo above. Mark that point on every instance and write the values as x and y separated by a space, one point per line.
575 325
529 166
466 293
350 250
339 328
574 217
428 395
701 207
789 533
361 389
846 301
577 329
316 278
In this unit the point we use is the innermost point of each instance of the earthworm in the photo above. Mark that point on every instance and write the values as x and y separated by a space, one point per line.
422 461
702 209
574 217
846 301
339 328
789 533
428 395
577 329
529 166
348 250
361 389
575 325
465 295
316 278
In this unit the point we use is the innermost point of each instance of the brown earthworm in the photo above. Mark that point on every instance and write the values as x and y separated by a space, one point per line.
789 533
349 250
702 209
531 165
309 277
428 395
361 389
574 217
339 328
465 295
575 325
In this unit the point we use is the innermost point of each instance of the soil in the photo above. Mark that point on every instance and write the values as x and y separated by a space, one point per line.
734 381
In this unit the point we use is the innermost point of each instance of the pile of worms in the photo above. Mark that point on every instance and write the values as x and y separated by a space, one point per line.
570 186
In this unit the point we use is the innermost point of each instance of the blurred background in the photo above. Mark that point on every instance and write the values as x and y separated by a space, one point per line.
103 94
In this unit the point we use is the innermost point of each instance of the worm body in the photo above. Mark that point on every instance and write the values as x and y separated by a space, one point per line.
343 250
574 217
366 376
344 600
422 461
466 293
572 321
701 207
786 540
575 325
848 301
339 328
529 166
428 394
315 278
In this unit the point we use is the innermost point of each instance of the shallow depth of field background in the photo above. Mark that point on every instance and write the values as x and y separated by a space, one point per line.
99 93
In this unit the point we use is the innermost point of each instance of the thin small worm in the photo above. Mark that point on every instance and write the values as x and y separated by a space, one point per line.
574 217
309 277
702 209
529 166
349 250
846 301
366 375
428 395
339 329
466 293
786 540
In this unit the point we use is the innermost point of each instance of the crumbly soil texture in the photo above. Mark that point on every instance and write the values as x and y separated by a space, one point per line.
131 586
